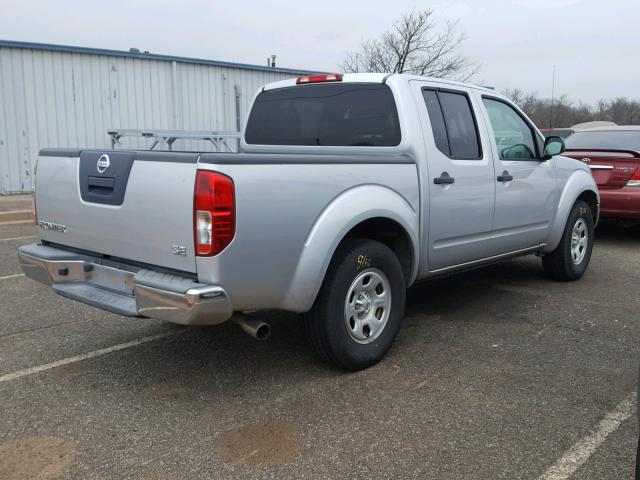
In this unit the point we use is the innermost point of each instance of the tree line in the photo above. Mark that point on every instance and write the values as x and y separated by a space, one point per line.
562 112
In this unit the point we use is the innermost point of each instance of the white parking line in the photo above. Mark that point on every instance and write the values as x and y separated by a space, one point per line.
577 455
17 238
96 353
15 275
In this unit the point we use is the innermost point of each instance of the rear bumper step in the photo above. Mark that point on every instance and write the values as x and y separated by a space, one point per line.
124 289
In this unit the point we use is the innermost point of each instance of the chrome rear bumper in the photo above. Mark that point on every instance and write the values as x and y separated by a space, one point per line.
124 289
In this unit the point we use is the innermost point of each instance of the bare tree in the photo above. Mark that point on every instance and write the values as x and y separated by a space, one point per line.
414 45
528 102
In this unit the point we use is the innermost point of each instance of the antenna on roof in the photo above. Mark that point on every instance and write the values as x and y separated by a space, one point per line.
553 93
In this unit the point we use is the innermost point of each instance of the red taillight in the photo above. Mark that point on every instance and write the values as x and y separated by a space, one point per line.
634 181
214 213
327 77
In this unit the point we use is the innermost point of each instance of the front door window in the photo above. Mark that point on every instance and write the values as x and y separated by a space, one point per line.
513 135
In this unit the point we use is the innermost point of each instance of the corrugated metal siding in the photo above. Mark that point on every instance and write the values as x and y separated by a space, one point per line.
65 99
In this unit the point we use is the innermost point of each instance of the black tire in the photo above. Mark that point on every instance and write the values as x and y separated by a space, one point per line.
560 264
326 326
638 462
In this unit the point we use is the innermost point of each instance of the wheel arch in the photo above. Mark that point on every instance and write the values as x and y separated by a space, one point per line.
579 186
370 211
390 233
591 198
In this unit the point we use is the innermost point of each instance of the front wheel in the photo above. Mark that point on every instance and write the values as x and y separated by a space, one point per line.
571 257
360 306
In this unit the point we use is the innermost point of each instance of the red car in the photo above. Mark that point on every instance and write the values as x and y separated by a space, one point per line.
613 154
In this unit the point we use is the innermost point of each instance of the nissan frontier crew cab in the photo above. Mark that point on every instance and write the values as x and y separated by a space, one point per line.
347 190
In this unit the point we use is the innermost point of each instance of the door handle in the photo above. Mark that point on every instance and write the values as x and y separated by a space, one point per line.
505 177
444 179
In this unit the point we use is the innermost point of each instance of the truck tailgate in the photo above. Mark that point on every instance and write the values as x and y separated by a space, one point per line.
136 206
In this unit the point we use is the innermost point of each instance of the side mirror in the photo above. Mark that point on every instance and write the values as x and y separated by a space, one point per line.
553 146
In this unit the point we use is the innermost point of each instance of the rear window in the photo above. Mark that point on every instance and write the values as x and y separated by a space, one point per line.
346 114
615 140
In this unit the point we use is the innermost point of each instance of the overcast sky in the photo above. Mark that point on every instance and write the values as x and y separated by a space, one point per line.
594 44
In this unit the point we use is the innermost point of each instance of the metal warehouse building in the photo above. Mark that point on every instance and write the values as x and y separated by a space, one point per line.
61 96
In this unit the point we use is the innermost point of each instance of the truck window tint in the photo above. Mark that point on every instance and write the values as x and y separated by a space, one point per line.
461 126
612 139
336 114
513 135
437 121
453 124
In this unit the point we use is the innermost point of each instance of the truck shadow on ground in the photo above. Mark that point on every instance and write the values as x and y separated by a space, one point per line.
610 231
208 356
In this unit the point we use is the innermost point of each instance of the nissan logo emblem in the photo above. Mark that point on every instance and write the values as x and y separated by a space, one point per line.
103 163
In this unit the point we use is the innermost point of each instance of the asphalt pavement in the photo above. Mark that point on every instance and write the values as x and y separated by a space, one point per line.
498 373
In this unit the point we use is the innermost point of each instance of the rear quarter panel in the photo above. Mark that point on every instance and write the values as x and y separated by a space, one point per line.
291 217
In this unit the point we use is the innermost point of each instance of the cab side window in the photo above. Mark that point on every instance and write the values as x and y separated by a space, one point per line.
514 136
453 124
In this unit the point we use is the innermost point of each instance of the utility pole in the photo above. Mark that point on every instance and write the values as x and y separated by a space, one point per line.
553 91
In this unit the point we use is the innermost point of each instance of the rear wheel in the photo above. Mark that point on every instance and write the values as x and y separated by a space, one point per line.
571 257
360 306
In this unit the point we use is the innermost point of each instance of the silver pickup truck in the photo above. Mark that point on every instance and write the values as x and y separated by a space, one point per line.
348 189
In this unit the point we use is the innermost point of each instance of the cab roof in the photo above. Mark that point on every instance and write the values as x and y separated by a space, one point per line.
381 78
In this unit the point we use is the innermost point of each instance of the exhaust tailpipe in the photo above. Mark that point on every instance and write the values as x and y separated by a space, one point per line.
252 327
